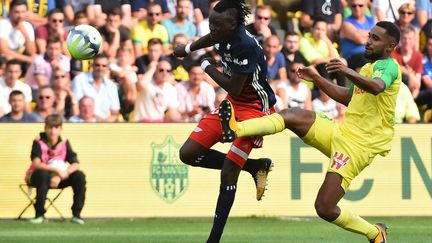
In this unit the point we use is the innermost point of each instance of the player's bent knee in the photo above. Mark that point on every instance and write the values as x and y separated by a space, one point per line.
186 156
325 211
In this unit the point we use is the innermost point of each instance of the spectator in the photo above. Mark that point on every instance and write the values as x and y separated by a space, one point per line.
17 39
261 28
196 97
74 6
124 74
291 50
200 10
203 26
54 27
293 92
66 104
102 8
424 12
148 29
38 11
40 71
355 29
86 111
140 8
97 86
114 34
406 17
80 66
47 147
276 68
410 60
154 54
406 109
45 104
17 113
180 65
330 11
427 66
180 23
11 82
387 10
156 95
326 105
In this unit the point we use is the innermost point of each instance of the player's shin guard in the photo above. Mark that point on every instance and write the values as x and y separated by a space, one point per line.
354 223
223 207
265 125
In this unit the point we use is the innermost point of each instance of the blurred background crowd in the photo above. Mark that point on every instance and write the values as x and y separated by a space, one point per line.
136 78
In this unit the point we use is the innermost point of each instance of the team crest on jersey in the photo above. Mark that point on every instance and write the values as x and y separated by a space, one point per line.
339 160
377 73
168 176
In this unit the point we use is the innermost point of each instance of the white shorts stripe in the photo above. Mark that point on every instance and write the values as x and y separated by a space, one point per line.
239 152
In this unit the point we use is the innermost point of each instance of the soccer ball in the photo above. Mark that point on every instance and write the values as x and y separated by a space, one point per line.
58 163
84 42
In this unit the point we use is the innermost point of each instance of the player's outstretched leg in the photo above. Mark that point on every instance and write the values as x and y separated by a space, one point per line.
382 235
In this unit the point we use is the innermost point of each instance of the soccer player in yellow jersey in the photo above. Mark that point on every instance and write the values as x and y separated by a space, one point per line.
351 145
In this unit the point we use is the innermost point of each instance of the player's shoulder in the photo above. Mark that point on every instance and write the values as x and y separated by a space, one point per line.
389 64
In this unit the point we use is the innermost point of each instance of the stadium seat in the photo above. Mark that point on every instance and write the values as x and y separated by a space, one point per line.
28 192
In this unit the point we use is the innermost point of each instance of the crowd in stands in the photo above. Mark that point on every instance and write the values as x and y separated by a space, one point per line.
136 78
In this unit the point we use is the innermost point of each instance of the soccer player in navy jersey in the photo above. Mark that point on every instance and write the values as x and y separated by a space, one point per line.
244 77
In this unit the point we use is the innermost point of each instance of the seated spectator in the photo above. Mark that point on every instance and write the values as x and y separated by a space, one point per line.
330 11
427 66
293 92
203 26
326 105
406 109
39 11
261 28
40 71
124 74
385 10
140 8
45 103
17 39
114 34
86 111
102 8
148 29
410 60
49 146
11 82
276 71
196 97
17 113
66 104
355 30
200 10
180 65
291 50
54 27
424 12
154 54
156 96
406 18
180 22
74 6
97 86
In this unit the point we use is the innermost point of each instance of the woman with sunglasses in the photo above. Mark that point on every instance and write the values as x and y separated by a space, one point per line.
406 17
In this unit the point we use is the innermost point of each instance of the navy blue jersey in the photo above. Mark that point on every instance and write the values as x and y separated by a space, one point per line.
243 55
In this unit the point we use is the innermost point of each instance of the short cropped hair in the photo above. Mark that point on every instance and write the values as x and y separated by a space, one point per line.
391 29
54 120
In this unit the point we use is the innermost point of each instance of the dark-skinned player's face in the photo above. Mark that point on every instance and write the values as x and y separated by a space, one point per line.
378 44
221 26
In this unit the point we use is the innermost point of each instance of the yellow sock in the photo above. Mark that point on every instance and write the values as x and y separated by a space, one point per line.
265 125
355 223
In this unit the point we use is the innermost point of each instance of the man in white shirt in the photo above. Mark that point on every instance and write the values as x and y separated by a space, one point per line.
17 38
97 86
11 82
157 97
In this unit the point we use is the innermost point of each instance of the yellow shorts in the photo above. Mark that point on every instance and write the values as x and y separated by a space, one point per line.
347 158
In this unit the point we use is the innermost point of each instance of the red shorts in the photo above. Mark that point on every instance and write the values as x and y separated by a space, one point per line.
209 131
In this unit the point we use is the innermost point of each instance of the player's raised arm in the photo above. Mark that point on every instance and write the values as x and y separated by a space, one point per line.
338 93
203 42
370 85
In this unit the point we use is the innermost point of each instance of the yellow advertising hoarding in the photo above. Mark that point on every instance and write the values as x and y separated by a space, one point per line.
133 170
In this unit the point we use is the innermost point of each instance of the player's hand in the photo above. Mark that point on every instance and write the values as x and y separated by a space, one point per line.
336 65
307 73
179 51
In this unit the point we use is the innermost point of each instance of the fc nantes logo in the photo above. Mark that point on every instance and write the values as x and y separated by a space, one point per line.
168 175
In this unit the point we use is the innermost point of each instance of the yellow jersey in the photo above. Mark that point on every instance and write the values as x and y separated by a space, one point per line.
369 119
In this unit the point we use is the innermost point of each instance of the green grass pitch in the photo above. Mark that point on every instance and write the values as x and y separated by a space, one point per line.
237 230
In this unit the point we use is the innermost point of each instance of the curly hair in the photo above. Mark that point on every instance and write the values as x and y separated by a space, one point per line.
234 8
